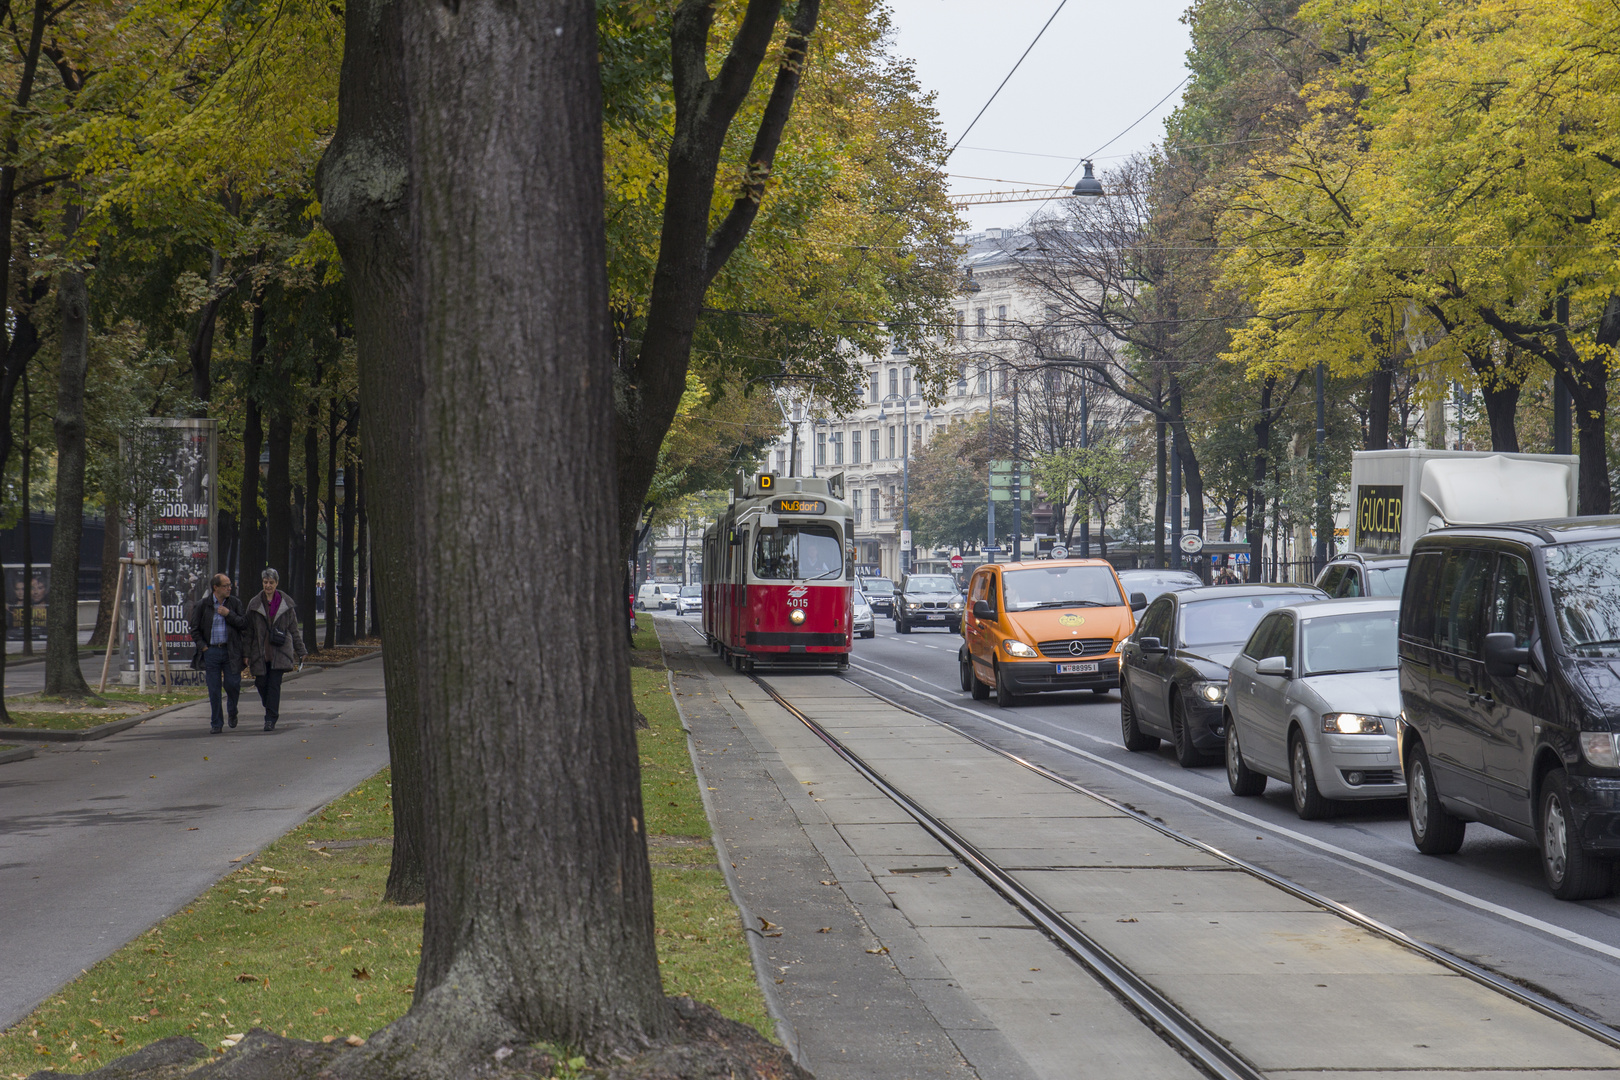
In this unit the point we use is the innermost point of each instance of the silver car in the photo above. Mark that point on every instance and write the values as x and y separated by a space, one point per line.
689 600
1312 701
863 623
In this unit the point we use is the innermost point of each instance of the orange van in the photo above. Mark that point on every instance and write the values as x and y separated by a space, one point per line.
1029 627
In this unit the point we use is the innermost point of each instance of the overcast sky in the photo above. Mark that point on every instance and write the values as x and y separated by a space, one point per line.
1099 67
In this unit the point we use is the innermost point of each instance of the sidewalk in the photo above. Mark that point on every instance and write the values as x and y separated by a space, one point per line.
884 959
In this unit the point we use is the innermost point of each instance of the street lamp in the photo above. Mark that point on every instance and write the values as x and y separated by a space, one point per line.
1088 186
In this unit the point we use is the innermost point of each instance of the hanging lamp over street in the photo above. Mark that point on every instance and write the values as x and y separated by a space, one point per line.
1088 184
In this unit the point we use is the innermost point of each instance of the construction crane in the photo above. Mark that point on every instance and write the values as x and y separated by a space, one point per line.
983 198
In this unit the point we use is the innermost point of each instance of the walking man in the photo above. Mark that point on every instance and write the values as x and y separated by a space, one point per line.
275 643
217 623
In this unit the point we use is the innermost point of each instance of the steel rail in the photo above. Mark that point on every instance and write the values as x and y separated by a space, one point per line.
1169 1019
1496 981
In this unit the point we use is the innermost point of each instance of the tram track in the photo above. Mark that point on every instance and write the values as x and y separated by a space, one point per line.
1180 1029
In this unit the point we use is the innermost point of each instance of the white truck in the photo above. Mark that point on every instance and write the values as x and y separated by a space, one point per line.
1398 495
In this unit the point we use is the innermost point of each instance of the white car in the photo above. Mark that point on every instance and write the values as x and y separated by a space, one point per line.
657 595
863 623
689 600
1312 701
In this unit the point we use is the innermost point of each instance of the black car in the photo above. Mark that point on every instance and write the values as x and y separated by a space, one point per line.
1510 692
1173 668
1354 574
928 600
880 594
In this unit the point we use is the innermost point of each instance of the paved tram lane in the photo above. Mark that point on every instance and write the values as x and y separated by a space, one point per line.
1486 904
100 840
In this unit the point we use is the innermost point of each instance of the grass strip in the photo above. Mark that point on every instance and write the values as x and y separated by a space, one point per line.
298 941
115 705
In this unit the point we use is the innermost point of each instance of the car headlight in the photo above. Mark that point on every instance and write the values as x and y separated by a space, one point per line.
1212 692
957 604
1349 723
1601 748
1017 648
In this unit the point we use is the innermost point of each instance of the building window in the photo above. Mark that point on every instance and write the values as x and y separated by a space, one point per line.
781 460
874 445
916 434
982 385
961 326
978 313
855 501
855 448
894 381
891 441
874 384
876 512
1001 320
838 447
821 448
905 382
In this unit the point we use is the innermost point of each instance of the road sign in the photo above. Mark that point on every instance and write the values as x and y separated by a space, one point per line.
1001 467
905 539
1060 552
991 550
956 562
1192 543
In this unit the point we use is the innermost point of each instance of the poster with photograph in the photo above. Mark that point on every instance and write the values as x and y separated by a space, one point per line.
14 591
172 520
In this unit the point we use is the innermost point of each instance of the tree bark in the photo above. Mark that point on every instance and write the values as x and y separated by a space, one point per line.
62 673
538 921
1255 520
312 520
345 570
363 181
362 563
278 495
252 443
1378 394
202 343
1161 494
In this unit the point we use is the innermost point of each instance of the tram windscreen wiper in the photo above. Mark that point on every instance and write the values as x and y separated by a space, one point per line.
1070 603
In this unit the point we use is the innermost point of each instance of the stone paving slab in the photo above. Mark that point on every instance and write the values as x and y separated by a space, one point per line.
1087 842
1147 889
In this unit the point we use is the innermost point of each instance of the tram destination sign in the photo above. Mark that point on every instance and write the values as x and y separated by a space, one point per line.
799 506
1378 519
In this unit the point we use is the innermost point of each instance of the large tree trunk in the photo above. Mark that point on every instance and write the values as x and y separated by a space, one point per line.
1255 520
252 561
278 509
538 922
362 560
345 572
1502 409
1378 394
202 343
62 673
1161 490
331 532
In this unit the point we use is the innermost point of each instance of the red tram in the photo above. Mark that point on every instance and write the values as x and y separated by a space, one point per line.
777 570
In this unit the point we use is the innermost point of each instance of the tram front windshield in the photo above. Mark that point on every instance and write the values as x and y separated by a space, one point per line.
798 553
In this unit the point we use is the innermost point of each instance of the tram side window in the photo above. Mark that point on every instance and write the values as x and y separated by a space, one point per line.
798 552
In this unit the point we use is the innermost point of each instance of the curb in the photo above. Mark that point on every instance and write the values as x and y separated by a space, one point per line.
39 658
100 731
16 753
322 665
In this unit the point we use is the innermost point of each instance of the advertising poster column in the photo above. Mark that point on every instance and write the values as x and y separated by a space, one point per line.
172 469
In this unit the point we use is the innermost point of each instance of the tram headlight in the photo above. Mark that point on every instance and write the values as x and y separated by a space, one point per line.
796 616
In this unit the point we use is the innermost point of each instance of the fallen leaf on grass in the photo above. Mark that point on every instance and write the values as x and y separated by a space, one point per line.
355 1040
360 973
246 978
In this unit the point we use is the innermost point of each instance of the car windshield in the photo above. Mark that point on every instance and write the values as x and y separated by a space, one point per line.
1176 580
1585 583
1363 641
798 552
1229 620
877 587
691 590
930 583
1061 586
1385 580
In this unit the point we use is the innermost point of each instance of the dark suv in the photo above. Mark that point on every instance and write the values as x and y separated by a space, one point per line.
1510 687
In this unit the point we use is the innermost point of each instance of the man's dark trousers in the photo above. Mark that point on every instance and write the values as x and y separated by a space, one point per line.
269 687
218 669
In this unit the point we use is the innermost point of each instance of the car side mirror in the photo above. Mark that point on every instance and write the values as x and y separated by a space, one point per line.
983 610
1273 665
1150 644
1503 655
1138 601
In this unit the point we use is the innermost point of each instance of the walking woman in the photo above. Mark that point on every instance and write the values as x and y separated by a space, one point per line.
275 643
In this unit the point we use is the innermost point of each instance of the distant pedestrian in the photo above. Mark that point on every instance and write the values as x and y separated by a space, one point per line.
217 623
275 644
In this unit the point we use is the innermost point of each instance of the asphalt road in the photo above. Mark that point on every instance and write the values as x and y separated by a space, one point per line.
98 841
1487 903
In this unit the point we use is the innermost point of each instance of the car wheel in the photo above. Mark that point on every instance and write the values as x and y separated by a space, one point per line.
1101 691
1133 737
1239 777
901 626
1188 756
870 634
1308 801
1571 873
1435 830
980 690
966 670
1005 698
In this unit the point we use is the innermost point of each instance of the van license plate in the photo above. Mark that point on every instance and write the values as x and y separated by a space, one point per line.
1077 669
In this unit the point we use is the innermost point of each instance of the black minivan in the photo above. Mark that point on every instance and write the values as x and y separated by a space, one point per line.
1510 686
